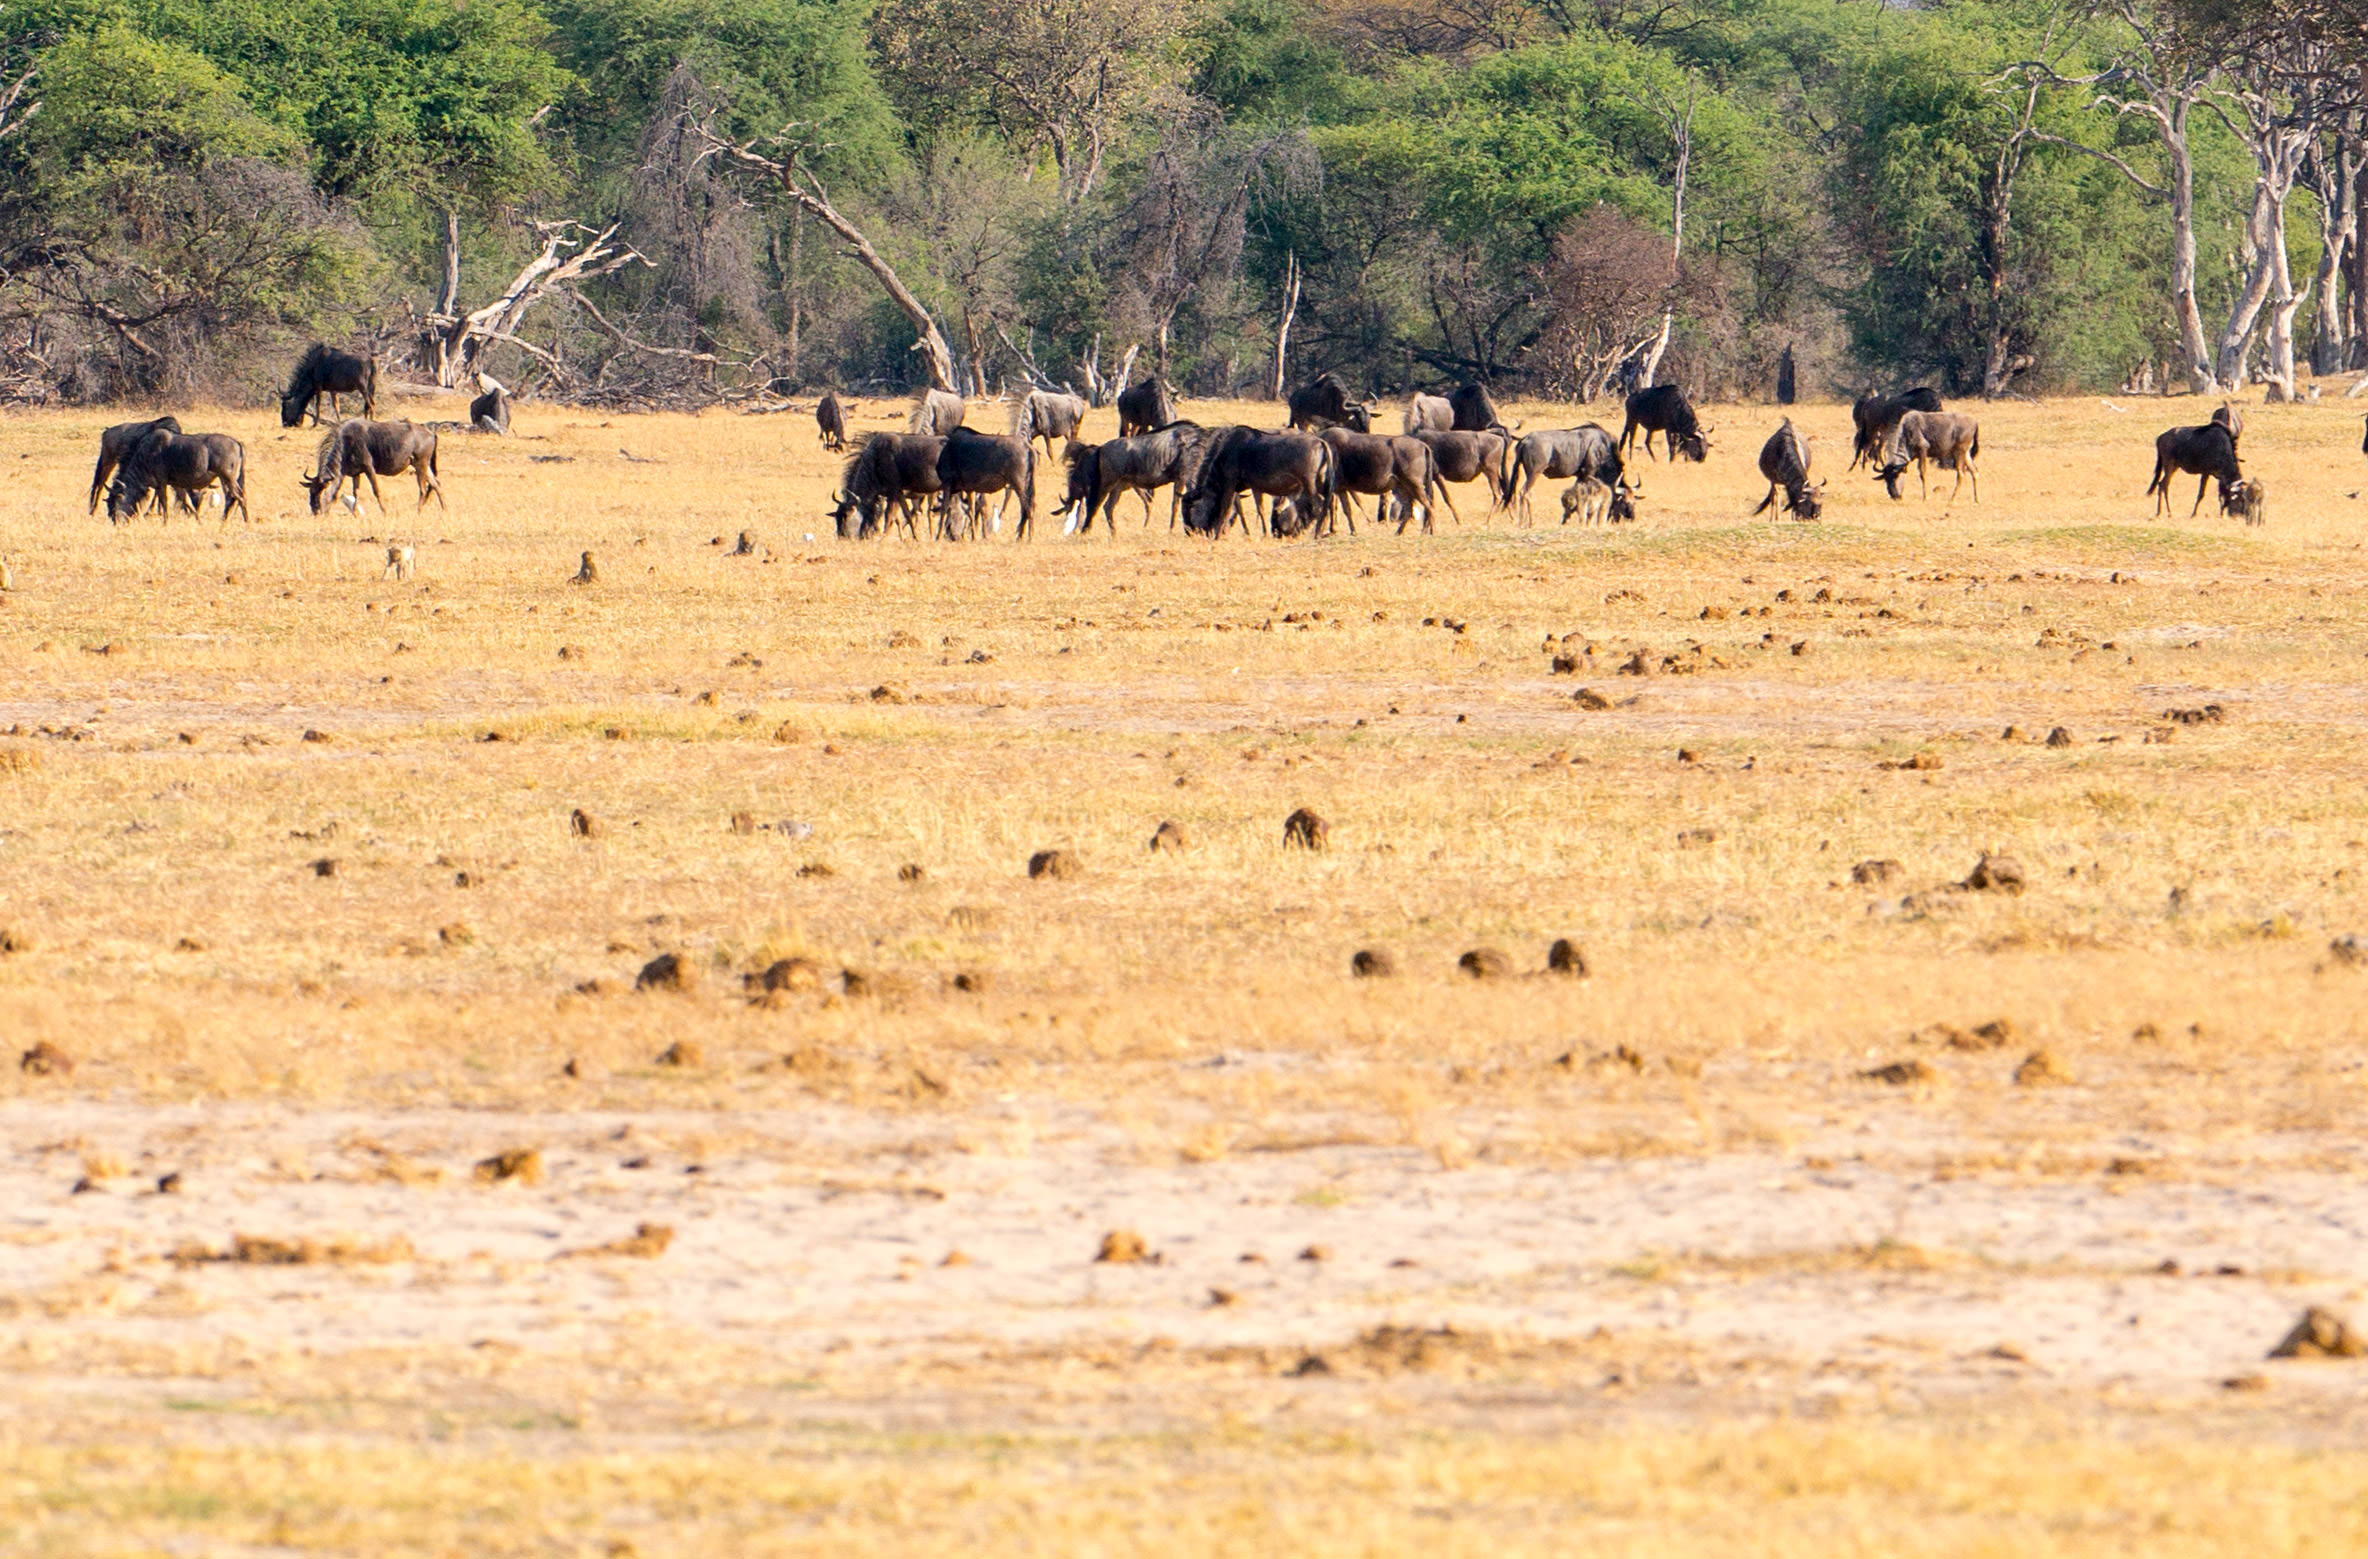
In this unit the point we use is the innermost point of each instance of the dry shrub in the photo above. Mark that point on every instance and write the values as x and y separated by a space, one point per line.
788 974
667 972
1304 830
1372 963
1567 957
46 1060
524 1165
683 1053
1995 874
1056 865
1123 1247
647 1242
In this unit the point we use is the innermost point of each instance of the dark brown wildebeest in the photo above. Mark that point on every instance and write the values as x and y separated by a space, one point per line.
1144 407
1471 457
891 472
1047 415
325 371
116 446
1784 461
1589 456
1874 416
1326 404
1473 411
187 464
1296 466
937 413
1948 439
1427 414
1385 466
831 419
974 464
359 451
490 412
1100 473
2208 453
1664 409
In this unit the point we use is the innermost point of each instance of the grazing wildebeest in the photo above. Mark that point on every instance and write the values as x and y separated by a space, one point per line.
831 418
974 464
359 451
1473 411
1385 466
1047 415
1587 454
1664 409
937 413
323 370
1784 461
891 471
1948 439
1874 416
187 464
2208 452
1145 406
1297 466
1470 457
1428 414
490 412
1100 473
116 446
1326 404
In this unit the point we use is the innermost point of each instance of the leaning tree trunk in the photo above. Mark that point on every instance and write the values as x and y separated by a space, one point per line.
805 190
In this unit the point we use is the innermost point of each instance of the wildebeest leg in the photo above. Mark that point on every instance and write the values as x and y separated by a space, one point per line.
2200 483
1143 493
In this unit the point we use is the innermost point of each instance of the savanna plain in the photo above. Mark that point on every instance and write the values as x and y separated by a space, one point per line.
527 1066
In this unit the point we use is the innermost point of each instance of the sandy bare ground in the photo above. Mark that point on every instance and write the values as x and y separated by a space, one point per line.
815 1239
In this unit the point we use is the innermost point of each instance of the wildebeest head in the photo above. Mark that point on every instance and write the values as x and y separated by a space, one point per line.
1623 504
1808 501
2243 497
292 404
1695 446
846 515
1357 416
1889 476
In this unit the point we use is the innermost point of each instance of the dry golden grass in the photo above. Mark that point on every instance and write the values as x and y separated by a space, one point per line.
162 810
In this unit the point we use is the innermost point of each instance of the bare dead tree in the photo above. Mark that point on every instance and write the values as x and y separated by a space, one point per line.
1605 280
1282 329
2160 72
455 343
1680 125
792 174
2333 171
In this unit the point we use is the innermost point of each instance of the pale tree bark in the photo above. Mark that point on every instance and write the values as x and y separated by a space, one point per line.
2158 78
2278 144
804 188
456 342
1681 132
2333 173
1282 329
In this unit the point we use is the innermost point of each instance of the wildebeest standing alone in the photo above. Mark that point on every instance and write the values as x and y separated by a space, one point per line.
1047 415
892 471
1296 466
116 446
1325 403
1874 416
1664 409
323 370
188 464
2207 452
1948 439
831 419
973 465
490 411
937 413
1144 406
1784 461
359 451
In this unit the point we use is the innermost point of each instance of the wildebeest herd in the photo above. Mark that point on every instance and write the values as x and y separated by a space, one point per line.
152 464
1300 480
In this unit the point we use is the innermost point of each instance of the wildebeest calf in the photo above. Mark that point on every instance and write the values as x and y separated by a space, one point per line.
1784 461
1948 439
1664 409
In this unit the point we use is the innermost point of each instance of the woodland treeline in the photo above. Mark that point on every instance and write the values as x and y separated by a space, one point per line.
660 201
